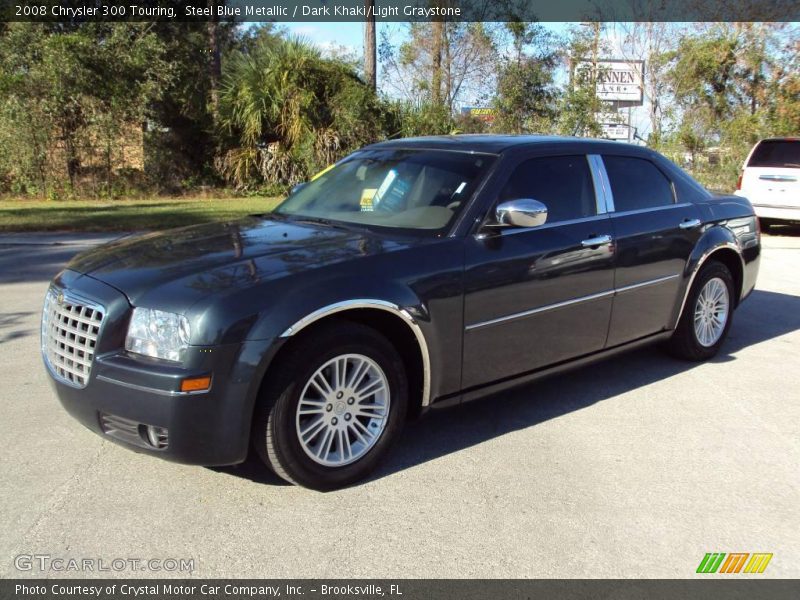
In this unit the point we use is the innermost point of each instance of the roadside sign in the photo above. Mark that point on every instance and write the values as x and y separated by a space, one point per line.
615 131
482 113
619 81
615 125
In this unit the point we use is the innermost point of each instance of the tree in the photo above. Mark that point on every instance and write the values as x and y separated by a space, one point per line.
214 59
181 136
703 73
651 42
441 63
286 111
79 87
729 80
785 87
370 58
526 92
580 105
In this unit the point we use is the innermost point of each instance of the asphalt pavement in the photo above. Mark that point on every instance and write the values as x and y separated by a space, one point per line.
635 467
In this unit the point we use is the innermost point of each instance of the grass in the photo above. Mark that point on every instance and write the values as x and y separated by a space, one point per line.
124 215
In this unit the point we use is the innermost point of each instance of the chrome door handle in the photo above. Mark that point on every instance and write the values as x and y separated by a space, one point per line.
690 224
600 240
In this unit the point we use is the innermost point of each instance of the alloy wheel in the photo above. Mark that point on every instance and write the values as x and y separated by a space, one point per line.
711 312
343 410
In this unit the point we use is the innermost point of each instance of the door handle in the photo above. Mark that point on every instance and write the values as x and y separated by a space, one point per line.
689 223
600 240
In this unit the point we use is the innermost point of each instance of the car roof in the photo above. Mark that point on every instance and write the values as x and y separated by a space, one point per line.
781 139
496 144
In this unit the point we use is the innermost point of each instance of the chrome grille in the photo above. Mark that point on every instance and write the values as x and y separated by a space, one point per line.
70 327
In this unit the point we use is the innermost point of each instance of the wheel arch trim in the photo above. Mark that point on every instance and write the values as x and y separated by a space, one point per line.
708 253
374 304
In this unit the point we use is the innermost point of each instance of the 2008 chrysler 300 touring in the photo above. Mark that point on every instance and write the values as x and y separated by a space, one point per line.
413 274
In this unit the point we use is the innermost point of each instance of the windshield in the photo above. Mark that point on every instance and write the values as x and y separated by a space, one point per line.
776 153
414 190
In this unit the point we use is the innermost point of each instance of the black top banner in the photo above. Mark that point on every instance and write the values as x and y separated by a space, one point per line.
399 10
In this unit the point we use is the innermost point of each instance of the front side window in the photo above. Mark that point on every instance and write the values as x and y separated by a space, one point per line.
636 183
412 190
562 183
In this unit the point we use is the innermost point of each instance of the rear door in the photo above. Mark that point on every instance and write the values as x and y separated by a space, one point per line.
654 236
772 174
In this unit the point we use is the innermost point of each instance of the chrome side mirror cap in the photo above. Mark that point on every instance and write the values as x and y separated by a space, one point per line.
524 212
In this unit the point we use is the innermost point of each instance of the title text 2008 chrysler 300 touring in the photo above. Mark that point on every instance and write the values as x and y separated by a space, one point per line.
415 273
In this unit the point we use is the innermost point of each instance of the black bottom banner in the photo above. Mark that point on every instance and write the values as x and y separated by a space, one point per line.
397 589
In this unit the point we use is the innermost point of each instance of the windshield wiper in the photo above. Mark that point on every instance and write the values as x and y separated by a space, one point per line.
312 220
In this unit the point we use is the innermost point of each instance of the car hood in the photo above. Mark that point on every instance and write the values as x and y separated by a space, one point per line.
178 267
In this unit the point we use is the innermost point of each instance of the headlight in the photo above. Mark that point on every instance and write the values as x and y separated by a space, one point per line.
158 334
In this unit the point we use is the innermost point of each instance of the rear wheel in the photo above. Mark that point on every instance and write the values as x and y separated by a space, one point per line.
336 404
707 315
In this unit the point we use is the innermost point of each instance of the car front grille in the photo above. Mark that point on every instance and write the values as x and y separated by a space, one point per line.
70 327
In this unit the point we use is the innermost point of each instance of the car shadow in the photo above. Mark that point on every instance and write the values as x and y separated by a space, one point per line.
252 469
23 264
12 326
764 316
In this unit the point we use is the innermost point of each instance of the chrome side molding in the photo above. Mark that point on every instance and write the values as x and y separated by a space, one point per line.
379 305
636 286
540 309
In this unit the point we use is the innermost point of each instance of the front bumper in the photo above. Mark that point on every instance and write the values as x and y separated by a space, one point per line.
207 428
131 392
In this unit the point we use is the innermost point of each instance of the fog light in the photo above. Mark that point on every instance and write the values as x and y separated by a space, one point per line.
157 437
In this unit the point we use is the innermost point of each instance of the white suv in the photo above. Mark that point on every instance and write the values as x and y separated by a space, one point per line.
770 179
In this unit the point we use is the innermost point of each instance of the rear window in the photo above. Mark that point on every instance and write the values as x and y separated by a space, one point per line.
776 153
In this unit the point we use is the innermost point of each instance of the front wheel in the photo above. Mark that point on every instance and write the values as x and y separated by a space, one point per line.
337 403
707 315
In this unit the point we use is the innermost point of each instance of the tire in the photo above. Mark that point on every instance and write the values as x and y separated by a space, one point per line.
335 422
696 343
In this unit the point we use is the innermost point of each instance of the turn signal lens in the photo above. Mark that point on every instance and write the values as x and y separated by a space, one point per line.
739 181
196 384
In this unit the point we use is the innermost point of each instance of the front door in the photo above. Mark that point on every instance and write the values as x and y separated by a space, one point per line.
538 296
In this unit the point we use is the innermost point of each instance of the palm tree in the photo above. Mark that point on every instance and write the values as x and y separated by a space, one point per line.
265 96
286 112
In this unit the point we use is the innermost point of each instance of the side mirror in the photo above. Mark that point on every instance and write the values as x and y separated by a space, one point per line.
524 212
298 187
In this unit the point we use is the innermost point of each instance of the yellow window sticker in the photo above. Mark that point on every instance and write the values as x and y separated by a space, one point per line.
366 199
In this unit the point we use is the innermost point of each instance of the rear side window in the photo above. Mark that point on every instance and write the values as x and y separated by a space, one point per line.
636 183
562 183
776 153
